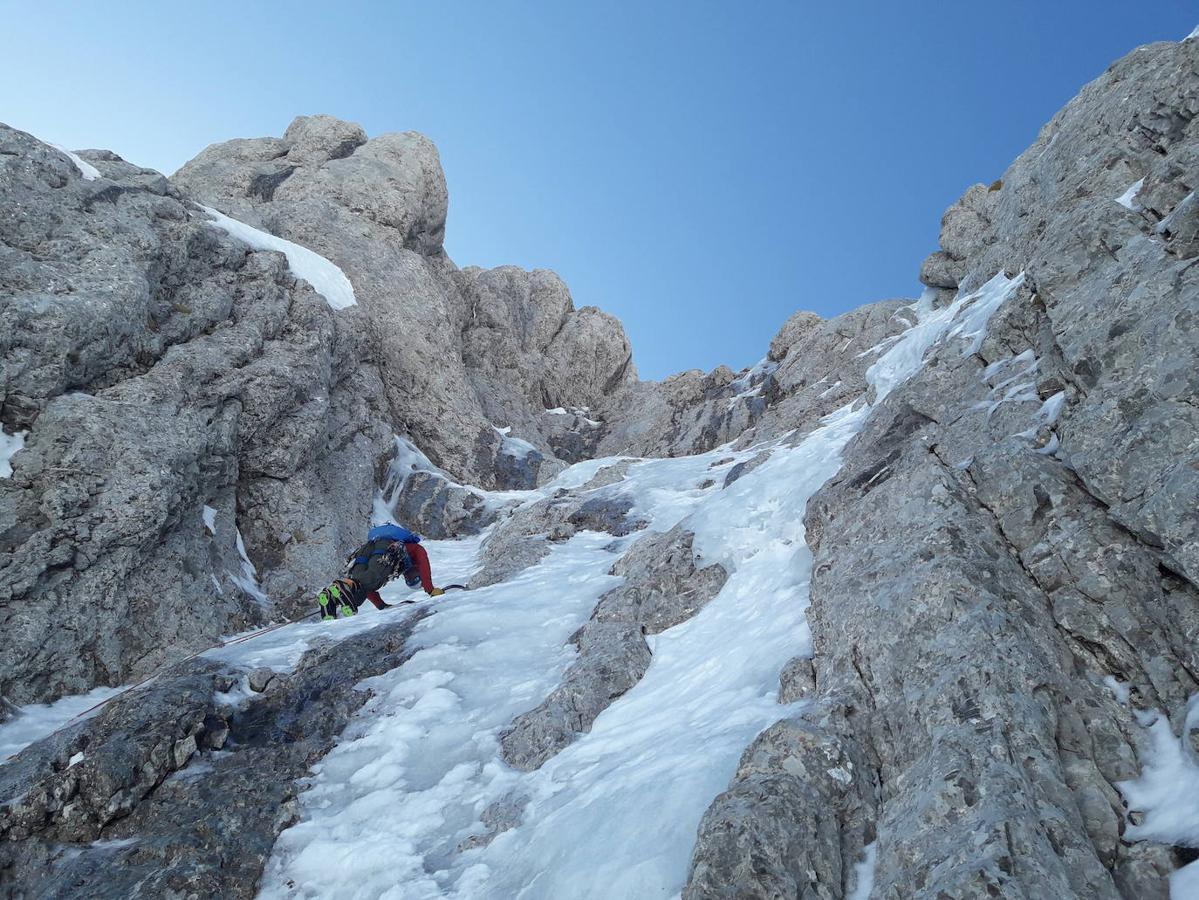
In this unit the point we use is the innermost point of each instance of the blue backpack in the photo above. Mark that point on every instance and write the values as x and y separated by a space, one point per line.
392 533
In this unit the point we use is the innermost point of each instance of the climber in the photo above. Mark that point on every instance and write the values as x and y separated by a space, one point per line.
389 550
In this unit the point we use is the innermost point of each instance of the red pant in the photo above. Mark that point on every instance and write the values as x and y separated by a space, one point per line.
374 598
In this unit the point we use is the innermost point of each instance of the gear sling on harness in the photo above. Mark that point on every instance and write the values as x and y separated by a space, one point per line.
368 569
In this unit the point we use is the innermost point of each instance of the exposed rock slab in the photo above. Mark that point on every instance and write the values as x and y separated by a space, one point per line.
177 794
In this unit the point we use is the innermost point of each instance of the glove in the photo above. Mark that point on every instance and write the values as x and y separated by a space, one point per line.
436 592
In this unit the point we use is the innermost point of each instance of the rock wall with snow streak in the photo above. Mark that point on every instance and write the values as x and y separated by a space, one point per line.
1005 580
462 352
184 400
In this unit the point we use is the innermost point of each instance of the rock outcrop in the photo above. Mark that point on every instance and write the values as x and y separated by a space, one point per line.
461 352
1012 530
1005 569
186 401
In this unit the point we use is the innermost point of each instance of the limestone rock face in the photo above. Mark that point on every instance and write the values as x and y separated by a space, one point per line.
183 398
1005 568
1013 529
459 352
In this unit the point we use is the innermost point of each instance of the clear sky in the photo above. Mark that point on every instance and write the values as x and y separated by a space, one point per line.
701 170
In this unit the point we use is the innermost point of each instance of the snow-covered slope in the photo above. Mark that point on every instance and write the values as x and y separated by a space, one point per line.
614 813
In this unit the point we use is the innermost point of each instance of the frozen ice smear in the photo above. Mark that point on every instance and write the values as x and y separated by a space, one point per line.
208 515
967 316
248 579
326 278
1128 198
417 766
863 873
10 445
32 723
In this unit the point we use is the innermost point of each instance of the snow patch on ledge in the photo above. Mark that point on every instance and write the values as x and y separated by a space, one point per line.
86 169
1194 34
517 448
36 721
209 517
326 278
10 445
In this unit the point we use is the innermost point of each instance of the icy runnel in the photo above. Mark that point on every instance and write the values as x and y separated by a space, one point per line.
615 814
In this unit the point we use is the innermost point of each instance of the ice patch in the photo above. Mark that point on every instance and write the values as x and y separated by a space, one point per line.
514 446
863 873
248 580
86 169
1128 198
1194 34
36 721
1169 783
966 317
326 278
10 445
579 412
208 514
1184 883
1166 225
1051 446
113 844
1051 409
757 372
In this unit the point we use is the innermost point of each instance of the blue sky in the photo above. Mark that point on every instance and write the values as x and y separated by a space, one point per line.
701 170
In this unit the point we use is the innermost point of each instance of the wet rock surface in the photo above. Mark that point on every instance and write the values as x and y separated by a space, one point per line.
170 791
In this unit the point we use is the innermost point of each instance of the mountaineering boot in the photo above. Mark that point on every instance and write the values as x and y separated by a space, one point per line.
341 596
325 602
